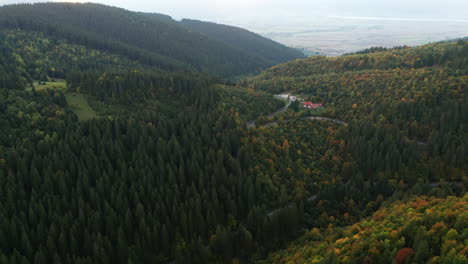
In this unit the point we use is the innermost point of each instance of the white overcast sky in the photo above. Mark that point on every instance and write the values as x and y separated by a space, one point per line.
239 11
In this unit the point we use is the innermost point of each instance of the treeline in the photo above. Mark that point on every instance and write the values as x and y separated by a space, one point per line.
452 54
375 49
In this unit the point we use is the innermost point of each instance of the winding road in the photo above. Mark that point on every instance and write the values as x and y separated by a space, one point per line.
308 200
253 123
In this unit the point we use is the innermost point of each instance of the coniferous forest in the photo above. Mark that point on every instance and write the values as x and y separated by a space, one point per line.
130 138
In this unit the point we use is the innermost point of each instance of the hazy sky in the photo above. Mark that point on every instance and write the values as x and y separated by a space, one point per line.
239 11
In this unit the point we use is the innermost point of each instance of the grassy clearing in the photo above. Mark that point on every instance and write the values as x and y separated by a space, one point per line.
58 84
77 102
80 106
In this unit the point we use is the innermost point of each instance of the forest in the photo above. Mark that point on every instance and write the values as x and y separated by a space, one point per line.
421 230
166 168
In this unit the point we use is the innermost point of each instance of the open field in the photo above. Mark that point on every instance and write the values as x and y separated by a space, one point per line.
58 84
80 106
77 102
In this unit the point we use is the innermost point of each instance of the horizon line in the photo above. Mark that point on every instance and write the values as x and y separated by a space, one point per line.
402 19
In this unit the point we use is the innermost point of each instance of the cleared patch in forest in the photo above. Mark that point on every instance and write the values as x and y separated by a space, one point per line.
80 106
57 84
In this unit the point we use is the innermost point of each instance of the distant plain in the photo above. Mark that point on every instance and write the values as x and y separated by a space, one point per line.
332 36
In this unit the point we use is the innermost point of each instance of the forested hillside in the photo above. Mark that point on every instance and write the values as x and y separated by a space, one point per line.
403 130
44 57
136 36
238 38
421 91
117 150
451 54
245 40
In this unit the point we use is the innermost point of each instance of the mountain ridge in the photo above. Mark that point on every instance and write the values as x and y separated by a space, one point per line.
139 37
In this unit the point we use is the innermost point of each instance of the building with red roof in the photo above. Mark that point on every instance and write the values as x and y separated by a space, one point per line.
310 105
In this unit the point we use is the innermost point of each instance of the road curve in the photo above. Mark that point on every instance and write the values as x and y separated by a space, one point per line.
312 118
328 119
281 110
253 123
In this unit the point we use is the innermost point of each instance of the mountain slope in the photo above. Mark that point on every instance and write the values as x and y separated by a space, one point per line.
243 39
139 37
423 230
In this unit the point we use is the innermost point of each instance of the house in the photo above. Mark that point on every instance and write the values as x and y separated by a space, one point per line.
310 105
